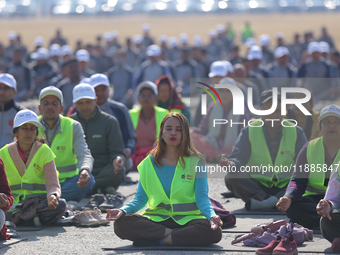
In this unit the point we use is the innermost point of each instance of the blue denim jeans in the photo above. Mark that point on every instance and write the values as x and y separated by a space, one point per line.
70 190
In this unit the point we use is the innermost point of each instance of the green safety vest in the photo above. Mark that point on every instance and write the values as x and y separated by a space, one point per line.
181 206
247 32
315 157
32 183
62 147
160 113
260 155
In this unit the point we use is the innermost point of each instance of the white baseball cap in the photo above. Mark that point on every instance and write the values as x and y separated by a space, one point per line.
39 41
324 47
83 55
230 68
331 110
12 35
313 47
250 42
53 91
146 27
114 34
86 80
281 51
264 40
212 33
82 91
26 116
198 41
163 38
66 50
218 68
183 37
220 28
173 42
255 52
41 53
147 85
107 36
8 80
153 50
55 50
137 39
280 35
99 79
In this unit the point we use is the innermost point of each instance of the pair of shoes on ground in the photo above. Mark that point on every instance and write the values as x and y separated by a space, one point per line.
89 218
108 201
284 245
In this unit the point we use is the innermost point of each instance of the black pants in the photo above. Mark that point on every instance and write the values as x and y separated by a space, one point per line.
303 211
194 233
330 229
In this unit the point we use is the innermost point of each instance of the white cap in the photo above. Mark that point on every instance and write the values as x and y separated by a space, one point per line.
198 41
173 42
82 91
107 36
83 55
148 85
324 47
212 33
39 41
218 68
115 34
281 51
220 28
255 52
41 53
26 116
331 110
153 50
183 37
146 27
229 66
66 50
250 42
8 80
51 90
99 79
280 35
313 47
228 80
12 35
55 50
264 40
163 38
137 39
86 80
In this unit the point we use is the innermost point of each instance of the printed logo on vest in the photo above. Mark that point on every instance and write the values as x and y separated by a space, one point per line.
190 177
62 148
36 166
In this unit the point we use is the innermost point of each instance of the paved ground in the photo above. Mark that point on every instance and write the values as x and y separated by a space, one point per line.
75 240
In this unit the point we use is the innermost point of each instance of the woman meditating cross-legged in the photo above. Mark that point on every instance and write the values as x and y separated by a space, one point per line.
179 210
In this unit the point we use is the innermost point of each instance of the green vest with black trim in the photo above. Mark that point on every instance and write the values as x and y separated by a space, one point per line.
181 206
316 158
160 113
260 155
32 183
62 147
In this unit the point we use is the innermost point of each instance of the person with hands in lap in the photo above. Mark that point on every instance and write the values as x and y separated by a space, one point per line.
32 174
179 210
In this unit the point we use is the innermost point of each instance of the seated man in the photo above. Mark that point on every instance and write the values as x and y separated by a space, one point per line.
8 108
314 165
101 85
271 145
66 139
104 138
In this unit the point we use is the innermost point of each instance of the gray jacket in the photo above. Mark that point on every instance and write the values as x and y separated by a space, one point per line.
103 136
80 149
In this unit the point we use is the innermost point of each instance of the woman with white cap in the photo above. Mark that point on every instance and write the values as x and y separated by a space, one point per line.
32 174
314 165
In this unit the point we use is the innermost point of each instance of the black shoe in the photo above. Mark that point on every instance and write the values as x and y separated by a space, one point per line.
112 201
228 194
96 200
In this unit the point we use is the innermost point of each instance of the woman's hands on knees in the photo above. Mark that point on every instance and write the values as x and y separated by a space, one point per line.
215 222
283 204
114 214
324 208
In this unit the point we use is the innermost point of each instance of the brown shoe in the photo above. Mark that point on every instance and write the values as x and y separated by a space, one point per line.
96 213
85 218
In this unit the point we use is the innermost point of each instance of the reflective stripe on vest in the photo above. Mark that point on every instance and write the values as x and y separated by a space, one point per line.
62 147
160 113
260 155
181 206
32 183
316 156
